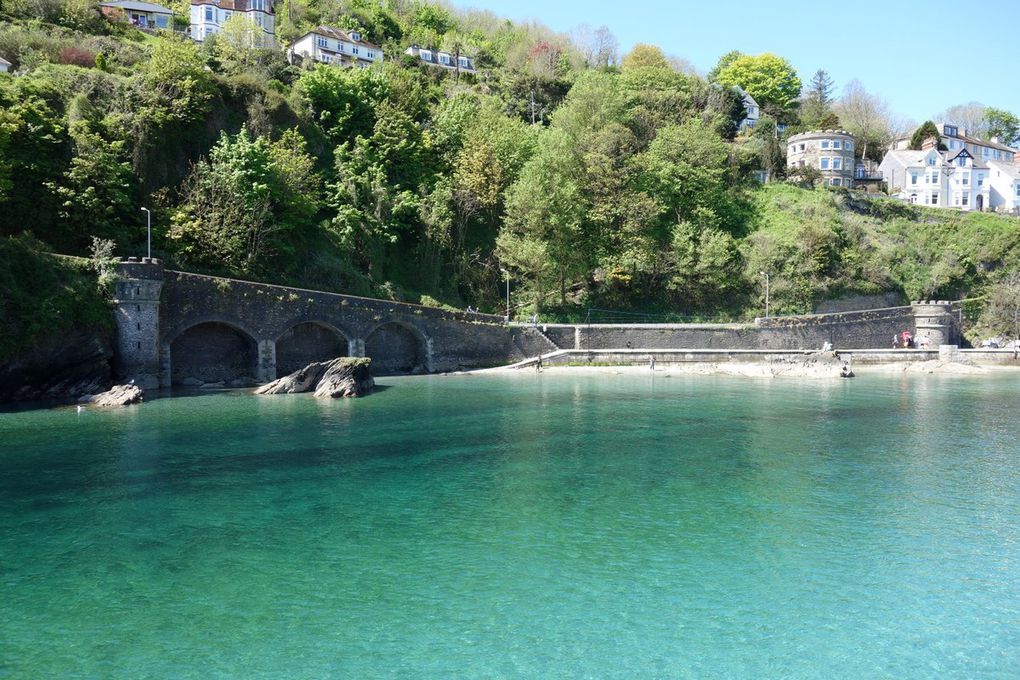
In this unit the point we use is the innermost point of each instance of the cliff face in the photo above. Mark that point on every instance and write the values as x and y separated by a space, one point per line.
66 368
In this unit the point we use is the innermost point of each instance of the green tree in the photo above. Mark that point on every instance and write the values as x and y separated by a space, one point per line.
724 61
770 79
342 101
96 193
1003 125
542 236
242 203
816 106
644 56
238 40
927 131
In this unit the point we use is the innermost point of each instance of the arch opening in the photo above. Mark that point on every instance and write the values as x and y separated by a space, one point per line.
395 349
213 352
307 343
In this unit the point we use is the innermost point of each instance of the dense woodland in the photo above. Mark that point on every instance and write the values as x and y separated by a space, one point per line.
595 179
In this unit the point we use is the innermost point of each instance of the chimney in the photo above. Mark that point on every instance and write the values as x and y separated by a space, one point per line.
930 143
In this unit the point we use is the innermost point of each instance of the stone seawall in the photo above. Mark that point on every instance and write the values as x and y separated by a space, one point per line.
845 330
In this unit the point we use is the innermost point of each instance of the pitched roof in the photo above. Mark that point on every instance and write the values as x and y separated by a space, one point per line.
1011 169
137 6
338 34
235 5
5 62
910 158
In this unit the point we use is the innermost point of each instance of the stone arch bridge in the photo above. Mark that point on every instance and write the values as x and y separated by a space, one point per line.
178 328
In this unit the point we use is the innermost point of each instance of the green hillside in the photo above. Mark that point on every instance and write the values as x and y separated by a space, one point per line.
595 181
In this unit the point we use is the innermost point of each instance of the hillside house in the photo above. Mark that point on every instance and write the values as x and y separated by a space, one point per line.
752 112
208 17
143 15
5 66
954 139
942 179
334 46
1004 186
831 152
443 60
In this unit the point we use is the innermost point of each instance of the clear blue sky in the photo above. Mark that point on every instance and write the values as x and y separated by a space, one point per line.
921 57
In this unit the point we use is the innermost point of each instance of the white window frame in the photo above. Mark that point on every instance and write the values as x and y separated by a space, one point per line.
913 178
848 145
824 144
824 163
210 14
965 178
322 42
965 200
837 145
837 162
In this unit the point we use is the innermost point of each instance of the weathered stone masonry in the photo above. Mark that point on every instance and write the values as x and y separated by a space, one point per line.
172 326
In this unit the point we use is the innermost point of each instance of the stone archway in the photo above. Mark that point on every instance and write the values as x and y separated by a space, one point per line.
306 343
213 352
395 349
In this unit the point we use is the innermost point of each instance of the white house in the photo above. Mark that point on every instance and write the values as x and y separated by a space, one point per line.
334 46
144 15
955 139
5 66
440 59
943 179
208 17
752 112
1004 183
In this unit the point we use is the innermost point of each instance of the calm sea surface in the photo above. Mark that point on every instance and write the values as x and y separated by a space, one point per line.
553 526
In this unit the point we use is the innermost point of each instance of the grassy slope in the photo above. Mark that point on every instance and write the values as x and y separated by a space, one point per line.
835 243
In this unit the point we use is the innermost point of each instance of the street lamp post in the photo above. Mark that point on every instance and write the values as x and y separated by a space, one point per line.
766 275
148 228
507 317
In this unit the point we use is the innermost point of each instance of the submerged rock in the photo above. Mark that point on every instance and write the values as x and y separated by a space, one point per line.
338 378
118 395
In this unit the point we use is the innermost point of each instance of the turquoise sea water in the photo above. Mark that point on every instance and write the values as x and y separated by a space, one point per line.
522 527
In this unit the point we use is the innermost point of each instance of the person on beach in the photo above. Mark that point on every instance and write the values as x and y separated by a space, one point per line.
895 340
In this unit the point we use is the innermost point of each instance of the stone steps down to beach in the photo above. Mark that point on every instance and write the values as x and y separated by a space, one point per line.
338 378
118 395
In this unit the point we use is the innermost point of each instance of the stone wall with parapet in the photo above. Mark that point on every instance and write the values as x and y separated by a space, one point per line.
847 330
453 339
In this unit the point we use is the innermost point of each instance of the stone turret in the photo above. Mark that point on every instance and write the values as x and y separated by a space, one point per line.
136 299
933 319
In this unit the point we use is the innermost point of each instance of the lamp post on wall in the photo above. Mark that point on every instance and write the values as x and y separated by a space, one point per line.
148 228
766 275
507 317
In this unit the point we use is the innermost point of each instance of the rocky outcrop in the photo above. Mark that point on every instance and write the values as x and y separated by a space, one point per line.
77 364
118 395
339 378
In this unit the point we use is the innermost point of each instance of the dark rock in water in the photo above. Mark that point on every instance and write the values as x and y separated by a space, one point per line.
346 377
119 395
342 377
77 364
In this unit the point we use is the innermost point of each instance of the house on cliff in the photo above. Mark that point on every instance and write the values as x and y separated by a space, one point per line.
143 15
328 45
941 179
209 16
443 60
